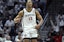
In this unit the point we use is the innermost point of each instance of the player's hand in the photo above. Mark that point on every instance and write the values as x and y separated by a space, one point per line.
37 26
17 20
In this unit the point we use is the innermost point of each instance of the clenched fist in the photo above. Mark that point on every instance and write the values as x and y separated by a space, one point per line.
37 27
17 20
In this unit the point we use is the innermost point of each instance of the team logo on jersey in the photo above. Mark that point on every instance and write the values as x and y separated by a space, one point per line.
29 15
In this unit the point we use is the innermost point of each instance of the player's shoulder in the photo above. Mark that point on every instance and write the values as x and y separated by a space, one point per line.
37 12
21 11
35 9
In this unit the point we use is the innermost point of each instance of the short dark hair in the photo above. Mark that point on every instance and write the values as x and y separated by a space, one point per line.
26 1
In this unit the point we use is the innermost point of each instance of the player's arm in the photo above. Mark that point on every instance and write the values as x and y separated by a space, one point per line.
18 17
39 17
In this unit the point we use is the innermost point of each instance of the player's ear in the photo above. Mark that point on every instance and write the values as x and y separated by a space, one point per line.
26 3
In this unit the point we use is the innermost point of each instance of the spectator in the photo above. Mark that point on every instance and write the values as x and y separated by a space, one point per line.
16 8
1 8
10 3
3 38
49 39
16 28
36 1
53 33
6 31
4 18
55 27
1 32
10 25
21 1
21 6
15 1
8 39
61 32
10 22
63 17
11 12
43 2
57 38
63 37
61 21
1 24
18 37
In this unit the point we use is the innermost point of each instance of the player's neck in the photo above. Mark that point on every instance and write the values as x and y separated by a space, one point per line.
29 9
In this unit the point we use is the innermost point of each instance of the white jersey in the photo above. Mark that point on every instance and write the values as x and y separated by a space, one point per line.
29 19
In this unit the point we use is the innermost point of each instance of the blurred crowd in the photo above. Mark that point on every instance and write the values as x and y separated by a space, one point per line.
9 31
56 32
12 7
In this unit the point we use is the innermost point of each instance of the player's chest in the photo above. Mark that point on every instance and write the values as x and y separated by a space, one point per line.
29 15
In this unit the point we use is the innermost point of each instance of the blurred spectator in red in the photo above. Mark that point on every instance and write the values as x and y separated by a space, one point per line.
57 38
61 32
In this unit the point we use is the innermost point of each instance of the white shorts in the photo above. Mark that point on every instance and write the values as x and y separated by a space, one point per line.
29 33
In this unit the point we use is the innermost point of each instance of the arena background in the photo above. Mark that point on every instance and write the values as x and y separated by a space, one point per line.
52 12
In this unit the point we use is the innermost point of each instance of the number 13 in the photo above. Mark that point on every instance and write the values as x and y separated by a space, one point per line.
30 18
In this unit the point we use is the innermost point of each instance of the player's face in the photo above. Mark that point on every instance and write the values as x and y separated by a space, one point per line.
29 4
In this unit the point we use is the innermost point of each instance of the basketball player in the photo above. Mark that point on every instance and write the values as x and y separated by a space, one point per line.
28 16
